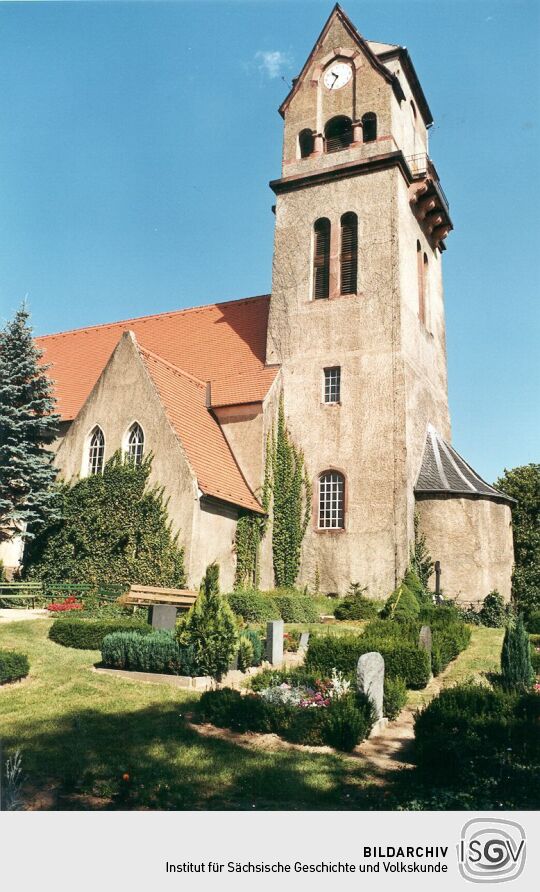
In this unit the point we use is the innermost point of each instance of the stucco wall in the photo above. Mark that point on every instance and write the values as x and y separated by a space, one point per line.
472 538
214 531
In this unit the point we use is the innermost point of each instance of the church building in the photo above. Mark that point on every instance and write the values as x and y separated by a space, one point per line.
352 337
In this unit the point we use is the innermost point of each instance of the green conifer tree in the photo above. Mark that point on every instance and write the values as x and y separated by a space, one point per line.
28 425
291 508
210 630
516 666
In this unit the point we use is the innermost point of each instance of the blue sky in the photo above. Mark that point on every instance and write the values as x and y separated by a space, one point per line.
137 141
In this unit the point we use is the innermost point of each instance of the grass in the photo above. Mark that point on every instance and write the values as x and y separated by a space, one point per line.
79 732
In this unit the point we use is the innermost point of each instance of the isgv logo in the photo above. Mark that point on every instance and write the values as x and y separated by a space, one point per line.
491 850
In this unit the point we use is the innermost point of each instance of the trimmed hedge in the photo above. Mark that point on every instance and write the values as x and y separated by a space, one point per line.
401 605
296 608
253 606
356 606
13 666
88 634
471 733
395 697
156 652
342 725
402 659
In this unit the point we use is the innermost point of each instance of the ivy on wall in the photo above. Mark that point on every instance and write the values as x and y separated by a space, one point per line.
286 489
112 529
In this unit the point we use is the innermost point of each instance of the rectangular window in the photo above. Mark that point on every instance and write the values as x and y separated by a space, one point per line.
331 501
332 385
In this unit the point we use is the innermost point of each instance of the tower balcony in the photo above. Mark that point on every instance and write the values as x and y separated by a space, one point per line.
428 200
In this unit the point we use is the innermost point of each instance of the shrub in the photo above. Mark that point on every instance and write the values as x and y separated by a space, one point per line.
291 641
447 644
494 612
535 652
13 666
246 653
516 667
210 580
402 604
471 733
533 623
296 608
395 696
254 607
157 652
294 676
257 643
88 634
348 720
226 708
355 605
414 584
210 629
342 652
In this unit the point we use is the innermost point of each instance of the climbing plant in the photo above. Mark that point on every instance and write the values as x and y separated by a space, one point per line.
286 490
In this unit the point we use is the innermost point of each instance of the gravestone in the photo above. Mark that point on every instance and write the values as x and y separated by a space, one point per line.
424 639
274 642
370 680
304 641
163 616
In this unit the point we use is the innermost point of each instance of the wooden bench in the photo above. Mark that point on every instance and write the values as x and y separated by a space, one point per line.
21 591
150 595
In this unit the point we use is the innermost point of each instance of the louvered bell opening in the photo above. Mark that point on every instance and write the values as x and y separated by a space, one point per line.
321 260
349 254
369 127
338 134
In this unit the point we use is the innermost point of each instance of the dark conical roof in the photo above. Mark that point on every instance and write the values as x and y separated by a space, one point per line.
444 471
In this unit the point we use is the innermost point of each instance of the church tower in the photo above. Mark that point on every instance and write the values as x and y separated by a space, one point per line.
356 315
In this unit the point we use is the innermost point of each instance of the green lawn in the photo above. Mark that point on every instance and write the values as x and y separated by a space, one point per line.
79 732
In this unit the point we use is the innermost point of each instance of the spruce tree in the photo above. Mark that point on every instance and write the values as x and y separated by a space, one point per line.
28 425
516 666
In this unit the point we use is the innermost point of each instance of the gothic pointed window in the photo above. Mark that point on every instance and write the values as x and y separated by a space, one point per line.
348 259
338 134
321 259
96 451
331 501
305 143
135 443
369 127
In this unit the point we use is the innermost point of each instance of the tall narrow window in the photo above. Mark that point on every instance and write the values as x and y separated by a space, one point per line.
421 285
348 261
135 444
331 501
369 127
332 385
425 281
305 143
321 258
96 451
338 134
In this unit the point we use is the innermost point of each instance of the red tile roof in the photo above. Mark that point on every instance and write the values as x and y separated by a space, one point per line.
184 400
219 341
249 387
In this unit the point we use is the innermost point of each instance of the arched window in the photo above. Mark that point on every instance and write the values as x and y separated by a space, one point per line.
305 143
338 134
420 270
96 451
331 501
348 258
369 127
135 443
321 258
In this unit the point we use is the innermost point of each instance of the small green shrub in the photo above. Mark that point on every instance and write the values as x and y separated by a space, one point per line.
13 666
348 721
413 583
517 673
447 644
257 642
246 653
298 675
88 634
291 641
157 652
395 696
494 612
226 708
535 653
401 605
254 607
296 608
355 605
533 623
210 629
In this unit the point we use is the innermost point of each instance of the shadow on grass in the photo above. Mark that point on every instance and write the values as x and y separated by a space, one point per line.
149 758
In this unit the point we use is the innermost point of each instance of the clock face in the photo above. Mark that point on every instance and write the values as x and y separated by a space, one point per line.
337 75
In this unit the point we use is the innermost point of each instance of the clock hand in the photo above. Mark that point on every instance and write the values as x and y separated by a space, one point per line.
335 79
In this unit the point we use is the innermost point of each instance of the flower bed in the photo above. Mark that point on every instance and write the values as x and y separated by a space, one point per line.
300 709
70 603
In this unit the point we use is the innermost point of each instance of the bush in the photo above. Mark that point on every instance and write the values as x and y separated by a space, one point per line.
402 604
414 585
342 652
348 721
226 708
355 605
88 634
210 629
291 641
157 652
395 696
535 653
447 644
254 607
246 653
471 734
13 666
517 672
294 676
494 612
257 643
533 623
296 608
